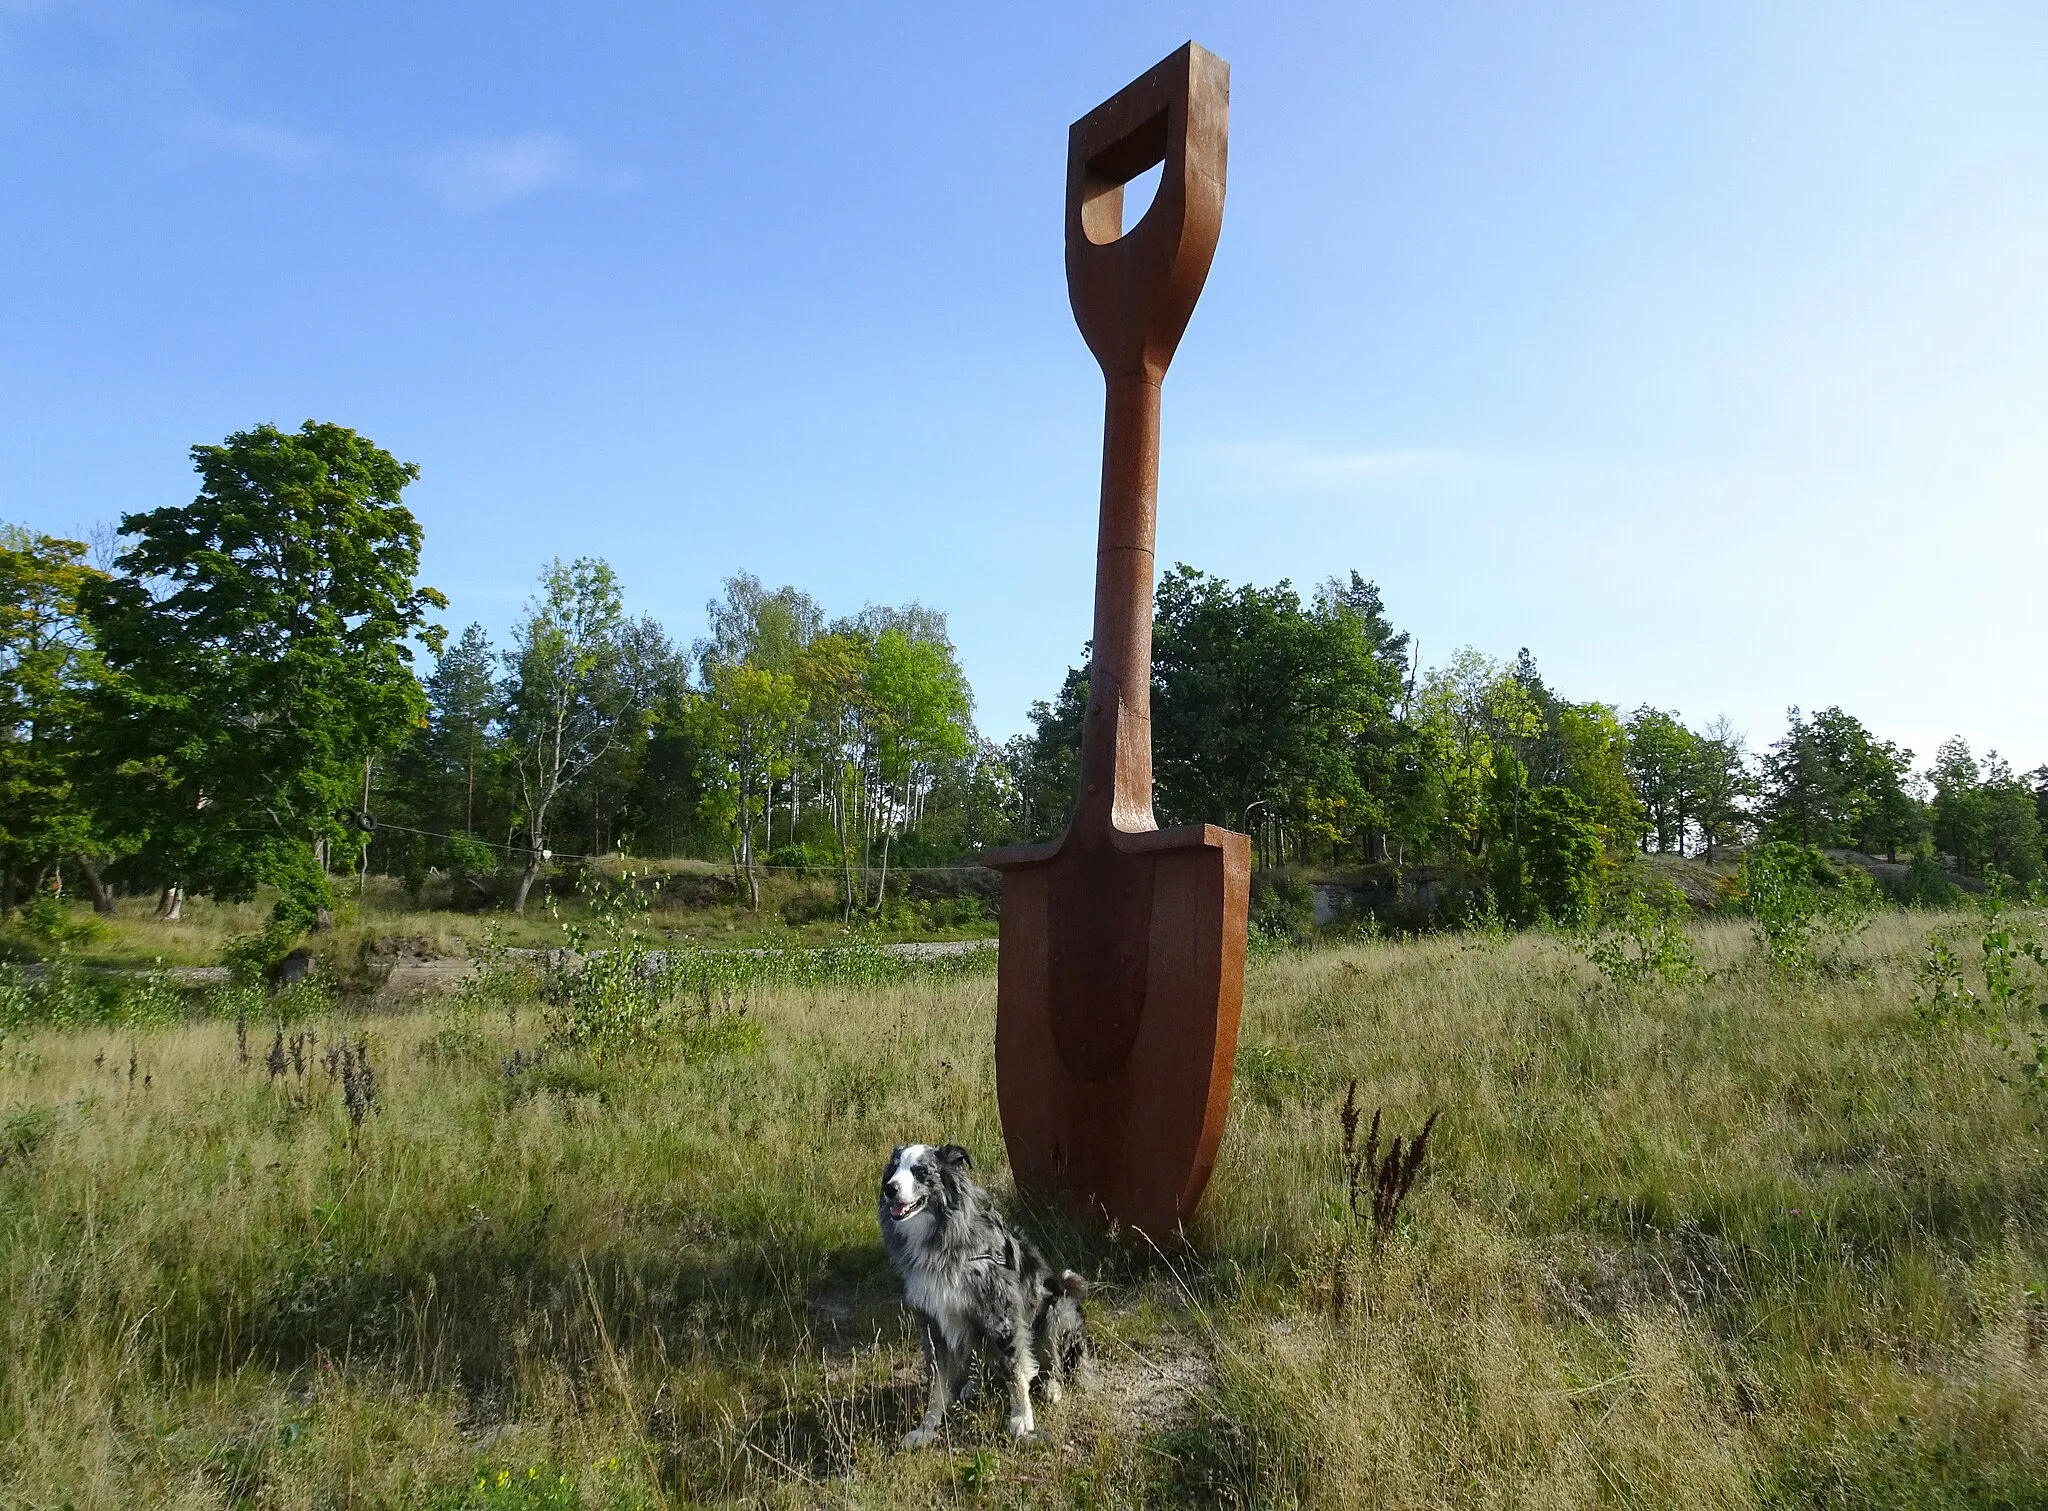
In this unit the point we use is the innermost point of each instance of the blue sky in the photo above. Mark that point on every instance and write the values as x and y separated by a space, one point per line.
1701 349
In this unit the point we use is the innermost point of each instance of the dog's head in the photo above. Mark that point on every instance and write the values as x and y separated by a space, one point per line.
921 1179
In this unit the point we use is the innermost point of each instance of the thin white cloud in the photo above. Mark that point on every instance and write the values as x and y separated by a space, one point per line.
1289 465
480 172
278 146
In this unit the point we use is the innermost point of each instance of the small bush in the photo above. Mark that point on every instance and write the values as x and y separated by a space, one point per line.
2010 1002
1925 884
1642 935
604 993
62 997
496 979
250 957
1806 911
1283 908
53 921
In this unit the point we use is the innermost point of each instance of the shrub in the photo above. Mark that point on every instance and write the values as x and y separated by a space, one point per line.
1642 935
249 957
2011 1003
1283 908
496 978
50 919
603 992
1806 911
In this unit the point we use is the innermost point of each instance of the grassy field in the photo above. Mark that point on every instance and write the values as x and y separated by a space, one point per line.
1759 1241
692 902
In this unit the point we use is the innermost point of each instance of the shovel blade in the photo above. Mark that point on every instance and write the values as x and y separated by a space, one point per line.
1119 984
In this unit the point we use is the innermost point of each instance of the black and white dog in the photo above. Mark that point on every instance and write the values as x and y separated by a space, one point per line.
975 1284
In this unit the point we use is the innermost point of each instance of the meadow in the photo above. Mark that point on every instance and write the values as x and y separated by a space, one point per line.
1759 1240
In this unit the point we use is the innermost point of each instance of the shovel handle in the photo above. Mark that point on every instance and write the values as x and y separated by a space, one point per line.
1133 292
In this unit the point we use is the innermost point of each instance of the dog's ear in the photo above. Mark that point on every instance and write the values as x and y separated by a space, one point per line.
953 1157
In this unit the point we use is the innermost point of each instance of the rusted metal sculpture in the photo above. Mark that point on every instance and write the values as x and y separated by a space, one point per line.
1122 962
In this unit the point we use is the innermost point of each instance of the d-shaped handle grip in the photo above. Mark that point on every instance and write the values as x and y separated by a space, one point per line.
1133 290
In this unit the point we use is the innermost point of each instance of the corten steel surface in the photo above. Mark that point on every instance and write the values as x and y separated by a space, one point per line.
1121 970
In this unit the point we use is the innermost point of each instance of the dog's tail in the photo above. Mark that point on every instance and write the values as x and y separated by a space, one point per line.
1070 1284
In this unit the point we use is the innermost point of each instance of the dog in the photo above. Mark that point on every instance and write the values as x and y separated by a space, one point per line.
976 1285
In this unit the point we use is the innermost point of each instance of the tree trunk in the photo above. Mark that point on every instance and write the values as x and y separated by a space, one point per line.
882 886
526 880
170 906
536 857
747 850
845 849
102 897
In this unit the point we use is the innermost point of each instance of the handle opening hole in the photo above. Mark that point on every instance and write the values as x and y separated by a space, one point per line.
1138 196
1121 181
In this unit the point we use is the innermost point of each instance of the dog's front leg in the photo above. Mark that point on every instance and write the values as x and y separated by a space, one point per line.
1022 1369
944 1367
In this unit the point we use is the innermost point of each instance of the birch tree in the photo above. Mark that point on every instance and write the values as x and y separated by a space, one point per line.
579 679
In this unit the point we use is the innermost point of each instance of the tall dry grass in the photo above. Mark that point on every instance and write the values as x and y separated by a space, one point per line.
1752 1242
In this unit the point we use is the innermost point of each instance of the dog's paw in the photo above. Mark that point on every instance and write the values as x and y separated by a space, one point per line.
920 1437
1053 1391
1024 1430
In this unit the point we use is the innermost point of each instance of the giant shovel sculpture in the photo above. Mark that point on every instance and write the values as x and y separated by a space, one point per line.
1122 960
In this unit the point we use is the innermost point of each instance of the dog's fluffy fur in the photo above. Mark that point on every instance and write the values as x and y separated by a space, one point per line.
975 1284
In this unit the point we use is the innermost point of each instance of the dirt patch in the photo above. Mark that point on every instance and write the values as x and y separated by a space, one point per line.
1149 1389
408 949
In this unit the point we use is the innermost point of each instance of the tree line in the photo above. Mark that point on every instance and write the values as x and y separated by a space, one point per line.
230 695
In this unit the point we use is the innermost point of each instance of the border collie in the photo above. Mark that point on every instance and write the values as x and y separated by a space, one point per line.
975 1284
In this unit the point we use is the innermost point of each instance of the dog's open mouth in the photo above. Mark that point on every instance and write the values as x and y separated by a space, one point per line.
898 1210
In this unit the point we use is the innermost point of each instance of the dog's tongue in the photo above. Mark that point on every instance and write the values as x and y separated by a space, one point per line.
900 1209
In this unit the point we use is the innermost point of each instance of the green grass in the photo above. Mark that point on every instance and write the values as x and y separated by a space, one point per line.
1753 1242
795 911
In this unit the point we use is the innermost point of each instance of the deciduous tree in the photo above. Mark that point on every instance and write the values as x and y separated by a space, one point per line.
260 639
580 678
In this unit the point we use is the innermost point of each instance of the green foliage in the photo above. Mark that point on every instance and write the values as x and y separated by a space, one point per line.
2010 1003
582 678
53 921
509 1487
1260 699
1806 911
1553 869
604 994
1830 782
62 995
496 977
1642 935
1926 884
259 646
249 957
49 669
1985 816
1283 908
1046 764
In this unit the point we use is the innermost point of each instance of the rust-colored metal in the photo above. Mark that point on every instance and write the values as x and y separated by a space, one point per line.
1121 970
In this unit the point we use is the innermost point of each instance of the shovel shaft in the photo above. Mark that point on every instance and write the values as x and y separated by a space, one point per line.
1116 732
